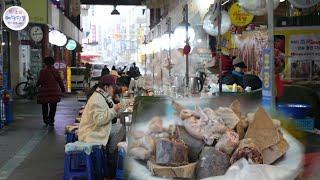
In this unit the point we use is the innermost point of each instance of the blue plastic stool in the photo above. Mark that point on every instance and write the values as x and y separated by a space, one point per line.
72 172
98 156
120 164
71 137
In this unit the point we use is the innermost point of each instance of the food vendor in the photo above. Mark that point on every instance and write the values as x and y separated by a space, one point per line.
238 72
95 125
235 74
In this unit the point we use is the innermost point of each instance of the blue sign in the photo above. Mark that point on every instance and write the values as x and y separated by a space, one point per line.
267 83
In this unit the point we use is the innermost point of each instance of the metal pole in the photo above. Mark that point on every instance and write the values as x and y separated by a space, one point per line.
169 31
145 65
219 54
145 55
187 43
271 46
153 70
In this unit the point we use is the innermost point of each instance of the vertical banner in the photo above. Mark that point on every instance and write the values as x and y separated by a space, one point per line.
62 68
267 85
68 79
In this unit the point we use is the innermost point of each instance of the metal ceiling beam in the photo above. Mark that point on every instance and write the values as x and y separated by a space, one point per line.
112 2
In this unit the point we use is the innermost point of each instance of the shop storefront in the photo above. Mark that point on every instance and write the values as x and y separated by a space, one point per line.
179 137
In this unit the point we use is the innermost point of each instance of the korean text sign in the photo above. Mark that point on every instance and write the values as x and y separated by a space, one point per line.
267 70
16 18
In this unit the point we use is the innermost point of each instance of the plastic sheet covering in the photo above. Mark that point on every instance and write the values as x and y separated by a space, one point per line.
80 146
288 167
210 21
257 7
304 3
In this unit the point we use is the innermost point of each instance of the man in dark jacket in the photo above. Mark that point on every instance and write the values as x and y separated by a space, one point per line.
134 71
105 71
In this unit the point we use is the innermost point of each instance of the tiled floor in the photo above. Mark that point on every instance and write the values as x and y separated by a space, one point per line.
29 151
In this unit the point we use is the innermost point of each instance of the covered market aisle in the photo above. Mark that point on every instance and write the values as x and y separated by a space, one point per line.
29 151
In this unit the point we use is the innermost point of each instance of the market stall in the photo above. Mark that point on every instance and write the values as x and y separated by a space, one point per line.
165 143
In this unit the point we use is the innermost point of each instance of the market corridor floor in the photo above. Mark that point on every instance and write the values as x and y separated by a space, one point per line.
30 152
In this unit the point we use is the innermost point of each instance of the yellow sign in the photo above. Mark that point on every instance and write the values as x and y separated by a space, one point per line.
68 79
238 16
266 72
37 10
288 32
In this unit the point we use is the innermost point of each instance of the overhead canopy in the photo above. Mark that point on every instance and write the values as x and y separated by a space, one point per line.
89 55
113 2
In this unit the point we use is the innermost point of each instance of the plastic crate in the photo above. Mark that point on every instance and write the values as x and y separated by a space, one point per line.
306 124
2 113
298 111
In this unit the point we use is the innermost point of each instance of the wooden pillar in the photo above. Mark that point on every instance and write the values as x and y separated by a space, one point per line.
45 41
57 54
67 56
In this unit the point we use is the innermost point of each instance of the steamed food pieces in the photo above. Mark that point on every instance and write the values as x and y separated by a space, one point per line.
261 140
214 139
210 125
143 144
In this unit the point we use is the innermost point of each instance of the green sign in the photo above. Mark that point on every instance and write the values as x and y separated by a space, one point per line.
37 10
71 45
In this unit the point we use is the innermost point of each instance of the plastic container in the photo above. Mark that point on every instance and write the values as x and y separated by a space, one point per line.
306 124
120 164
297 111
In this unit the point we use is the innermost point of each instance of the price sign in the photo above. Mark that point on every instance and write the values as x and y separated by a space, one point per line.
15 18
238 16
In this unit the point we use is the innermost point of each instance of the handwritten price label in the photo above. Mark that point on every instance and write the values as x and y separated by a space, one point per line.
238 16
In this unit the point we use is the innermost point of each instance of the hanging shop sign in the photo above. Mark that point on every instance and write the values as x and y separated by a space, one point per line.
57 38
238 16
36 33
38 10
71 45
15 18
304 3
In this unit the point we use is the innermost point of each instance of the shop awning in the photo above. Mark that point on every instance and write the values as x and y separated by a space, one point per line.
89 55
112 2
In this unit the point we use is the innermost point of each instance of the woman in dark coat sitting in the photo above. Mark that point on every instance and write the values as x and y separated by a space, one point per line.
51 85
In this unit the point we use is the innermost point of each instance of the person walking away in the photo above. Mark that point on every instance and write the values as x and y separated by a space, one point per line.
134 71
87 73
121 71
50 87
105 71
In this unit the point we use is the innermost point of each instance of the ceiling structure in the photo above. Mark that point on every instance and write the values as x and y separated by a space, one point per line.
113 2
